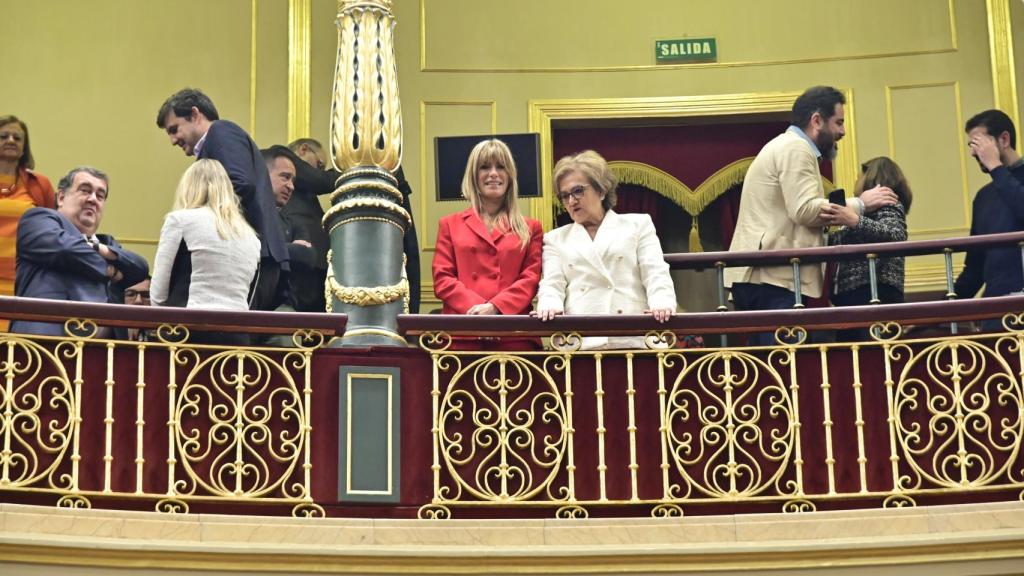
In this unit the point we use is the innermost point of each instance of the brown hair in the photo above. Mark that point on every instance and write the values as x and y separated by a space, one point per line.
882 171
595 168
26 160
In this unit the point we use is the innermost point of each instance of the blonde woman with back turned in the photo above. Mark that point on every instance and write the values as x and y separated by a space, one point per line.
208 253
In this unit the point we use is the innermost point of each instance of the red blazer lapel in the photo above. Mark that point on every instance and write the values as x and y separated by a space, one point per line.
474 223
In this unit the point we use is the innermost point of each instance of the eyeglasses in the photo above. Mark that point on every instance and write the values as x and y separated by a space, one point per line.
133 294
576 192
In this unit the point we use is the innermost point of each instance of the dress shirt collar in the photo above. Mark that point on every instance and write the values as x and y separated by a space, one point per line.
199 145
796 130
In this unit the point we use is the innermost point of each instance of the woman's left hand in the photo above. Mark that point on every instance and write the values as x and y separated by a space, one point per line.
660 314
483 309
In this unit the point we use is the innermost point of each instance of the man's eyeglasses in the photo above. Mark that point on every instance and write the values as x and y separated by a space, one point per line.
576 192
133 294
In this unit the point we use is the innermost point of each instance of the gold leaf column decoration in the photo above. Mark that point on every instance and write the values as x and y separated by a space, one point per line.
366 115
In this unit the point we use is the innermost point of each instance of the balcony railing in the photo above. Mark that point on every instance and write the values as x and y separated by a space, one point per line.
899 420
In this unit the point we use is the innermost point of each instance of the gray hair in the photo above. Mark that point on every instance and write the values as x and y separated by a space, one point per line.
66 181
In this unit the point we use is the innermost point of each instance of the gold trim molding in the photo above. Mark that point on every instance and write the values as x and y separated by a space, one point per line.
300 21
543 113
1004 75
890 127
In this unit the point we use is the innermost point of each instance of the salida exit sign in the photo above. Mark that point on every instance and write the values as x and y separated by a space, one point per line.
686 50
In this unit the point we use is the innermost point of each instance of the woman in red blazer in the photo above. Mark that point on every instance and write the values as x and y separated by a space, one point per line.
487 259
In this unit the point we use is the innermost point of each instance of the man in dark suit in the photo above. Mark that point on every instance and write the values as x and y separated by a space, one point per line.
60 256
313 178
192 123
306 292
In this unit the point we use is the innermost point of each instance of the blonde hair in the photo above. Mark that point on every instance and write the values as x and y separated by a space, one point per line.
595 168
206 184
496 151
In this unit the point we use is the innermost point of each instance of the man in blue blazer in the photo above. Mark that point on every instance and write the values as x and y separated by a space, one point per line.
193 124
60 256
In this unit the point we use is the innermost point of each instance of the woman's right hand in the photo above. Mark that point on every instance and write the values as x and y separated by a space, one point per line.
546 315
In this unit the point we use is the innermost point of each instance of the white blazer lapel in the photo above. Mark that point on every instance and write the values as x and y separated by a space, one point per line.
591 250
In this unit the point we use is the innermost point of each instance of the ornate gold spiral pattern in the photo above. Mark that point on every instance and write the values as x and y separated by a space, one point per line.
728 429
959 411
37 413
225 414
501 430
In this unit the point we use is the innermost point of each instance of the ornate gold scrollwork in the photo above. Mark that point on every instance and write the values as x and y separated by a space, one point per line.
308 510
798 506
790 335
172 506
76 501
667 511
959 411
172 334
434 512
899 501
659 339
566 343
37 413
435 341
81 328
307 339
885 331
239 431
729 426
572 512
501 431
1013 322
359 296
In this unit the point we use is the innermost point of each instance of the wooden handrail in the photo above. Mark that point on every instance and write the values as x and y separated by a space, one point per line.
704 260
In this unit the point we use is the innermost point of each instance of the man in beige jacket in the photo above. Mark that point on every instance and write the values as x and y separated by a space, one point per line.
783 204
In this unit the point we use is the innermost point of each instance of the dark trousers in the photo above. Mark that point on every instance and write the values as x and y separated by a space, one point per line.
748 296
269 291
862 297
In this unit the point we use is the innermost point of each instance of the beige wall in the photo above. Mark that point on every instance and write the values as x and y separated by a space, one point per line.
94 72
90 76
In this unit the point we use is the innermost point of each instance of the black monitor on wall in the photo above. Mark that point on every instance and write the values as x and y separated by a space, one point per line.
452 152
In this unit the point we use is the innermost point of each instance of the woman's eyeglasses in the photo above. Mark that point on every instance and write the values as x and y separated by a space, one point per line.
576 192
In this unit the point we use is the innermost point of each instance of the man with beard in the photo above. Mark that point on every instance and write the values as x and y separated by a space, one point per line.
783 204
998 207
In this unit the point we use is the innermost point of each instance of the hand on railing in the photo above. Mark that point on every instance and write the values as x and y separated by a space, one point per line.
545 315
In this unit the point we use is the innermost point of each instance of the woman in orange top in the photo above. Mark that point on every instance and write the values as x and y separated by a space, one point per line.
20 189
487 259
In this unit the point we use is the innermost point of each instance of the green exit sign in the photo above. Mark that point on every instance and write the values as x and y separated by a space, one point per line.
686 50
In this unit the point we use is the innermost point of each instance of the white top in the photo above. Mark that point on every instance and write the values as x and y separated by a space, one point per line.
221 269
621 271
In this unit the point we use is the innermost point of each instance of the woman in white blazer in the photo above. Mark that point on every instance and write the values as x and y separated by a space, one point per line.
208 253
604 262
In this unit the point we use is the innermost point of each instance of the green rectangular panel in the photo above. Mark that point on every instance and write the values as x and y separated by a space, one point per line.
686 50
368 422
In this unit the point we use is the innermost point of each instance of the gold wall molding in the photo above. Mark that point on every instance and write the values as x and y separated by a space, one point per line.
1004 75
543 113
254 10
425 67
300 16
426 244
958 130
